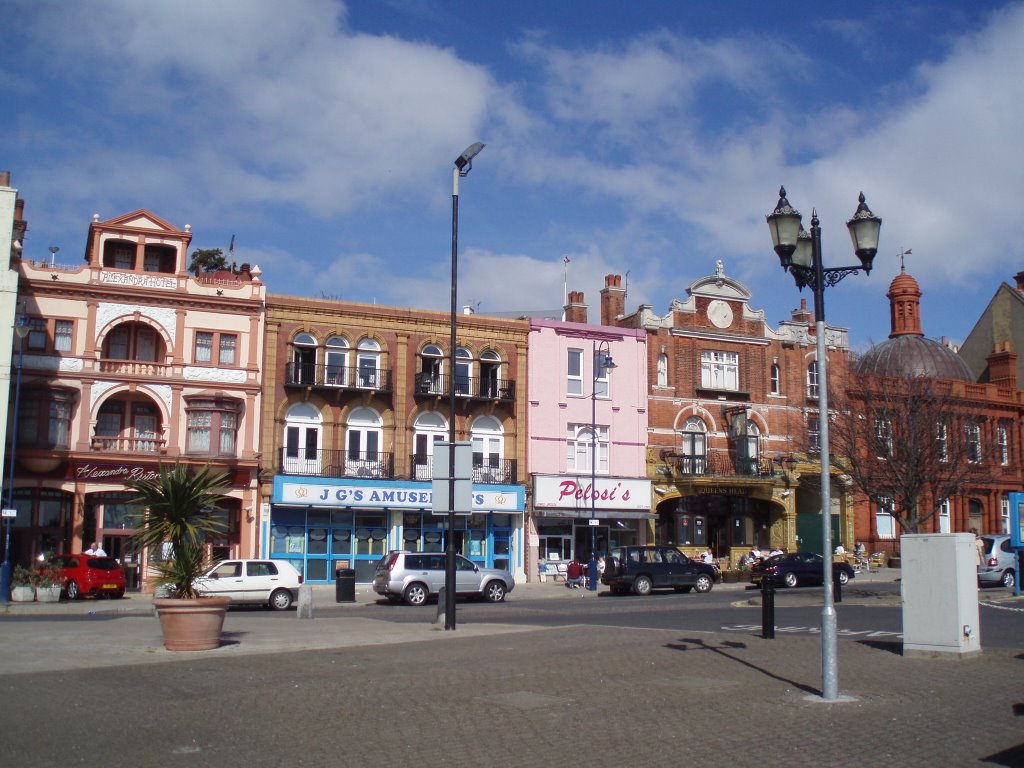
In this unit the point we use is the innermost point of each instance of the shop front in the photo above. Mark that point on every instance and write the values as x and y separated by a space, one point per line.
572 517
323 524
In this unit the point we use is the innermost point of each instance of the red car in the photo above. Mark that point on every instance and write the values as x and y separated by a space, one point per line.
91 575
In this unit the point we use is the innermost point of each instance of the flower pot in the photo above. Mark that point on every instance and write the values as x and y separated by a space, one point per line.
730 577
48 594
23 593
191 625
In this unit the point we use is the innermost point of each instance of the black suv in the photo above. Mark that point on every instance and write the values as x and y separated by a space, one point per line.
641 569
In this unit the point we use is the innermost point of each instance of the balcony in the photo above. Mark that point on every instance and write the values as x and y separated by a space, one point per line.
471 387
119 444
145 368
499 472
332 463
337 377
718 465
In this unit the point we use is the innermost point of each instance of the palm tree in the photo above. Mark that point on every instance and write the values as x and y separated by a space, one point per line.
180 513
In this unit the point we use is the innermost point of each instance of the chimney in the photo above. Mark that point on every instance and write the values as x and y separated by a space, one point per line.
1002 366
1019 277
576 308
613 300
5 178
803 315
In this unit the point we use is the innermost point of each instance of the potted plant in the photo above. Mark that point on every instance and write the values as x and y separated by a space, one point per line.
23 585
49 582
180 512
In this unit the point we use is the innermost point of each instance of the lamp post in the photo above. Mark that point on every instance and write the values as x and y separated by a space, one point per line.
463 165
20 331
602 362
800 254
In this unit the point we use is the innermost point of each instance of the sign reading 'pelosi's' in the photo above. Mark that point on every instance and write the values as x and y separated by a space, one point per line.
578 492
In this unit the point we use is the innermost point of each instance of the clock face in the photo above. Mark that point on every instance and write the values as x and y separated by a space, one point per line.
720 314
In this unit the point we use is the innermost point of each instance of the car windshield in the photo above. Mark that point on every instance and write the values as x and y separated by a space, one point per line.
103 563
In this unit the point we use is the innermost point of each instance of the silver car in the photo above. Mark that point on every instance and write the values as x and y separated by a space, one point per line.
416 576
1000 566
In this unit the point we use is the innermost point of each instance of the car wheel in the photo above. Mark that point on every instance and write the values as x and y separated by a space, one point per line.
704 583
280 599
790 580
643 585
415 594
494 592
1009 580
72 590
843 577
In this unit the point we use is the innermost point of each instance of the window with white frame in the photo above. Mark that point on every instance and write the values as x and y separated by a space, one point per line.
490 374
1003 445
776 386
574 372
720 370
430 428
302 433
63 333
303 367
487 450
694 447
336 362
602 384
580 445
812 379
944 516
813 434
368 364
942 438
885 521
1004 515
463 370
973 443
428 380
662 370
883 437
364 436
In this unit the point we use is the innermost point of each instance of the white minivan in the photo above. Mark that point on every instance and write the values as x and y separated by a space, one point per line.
273 583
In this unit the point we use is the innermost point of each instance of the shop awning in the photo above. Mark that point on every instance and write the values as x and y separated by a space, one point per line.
606 514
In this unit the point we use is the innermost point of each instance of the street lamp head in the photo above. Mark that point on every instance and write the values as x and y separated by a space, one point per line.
464 162
784 224
21 328
864 228
607 364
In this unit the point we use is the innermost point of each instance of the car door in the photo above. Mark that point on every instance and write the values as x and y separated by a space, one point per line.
224 580
656 563
812 568
261 578
467 576
682 572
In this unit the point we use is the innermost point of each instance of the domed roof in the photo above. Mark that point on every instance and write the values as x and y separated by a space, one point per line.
910 355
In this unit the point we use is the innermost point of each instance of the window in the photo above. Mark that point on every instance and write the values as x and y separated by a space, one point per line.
302 440
748 454
487 449
45 418
368 364
463 370
132 341
226 345
62 335
812 379
720 370
883 438
885 522
303 366
212 426
775 386
128 426
336 362
694 447
36 333
973 443
490 374
662 370
428 380
430 428
580 444
574 381
942 438
944 516
1002 445
363 457
1004 515
813 434
601 382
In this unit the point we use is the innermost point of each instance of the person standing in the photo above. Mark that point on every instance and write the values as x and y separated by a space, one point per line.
979 545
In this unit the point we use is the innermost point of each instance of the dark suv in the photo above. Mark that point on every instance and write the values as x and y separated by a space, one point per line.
642 568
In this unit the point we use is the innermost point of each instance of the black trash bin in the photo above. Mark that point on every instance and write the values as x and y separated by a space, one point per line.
345 585
131 577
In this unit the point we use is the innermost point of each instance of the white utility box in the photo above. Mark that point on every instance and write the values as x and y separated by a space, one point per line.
940 595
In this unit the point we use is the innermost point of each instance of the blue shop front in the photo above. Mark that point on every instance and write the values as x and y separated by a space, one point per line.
322 524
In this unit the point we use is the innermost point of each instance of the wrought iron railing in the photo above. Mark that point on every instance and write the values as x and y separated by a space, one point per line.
333 463
476 387
720 465
500 471
337 377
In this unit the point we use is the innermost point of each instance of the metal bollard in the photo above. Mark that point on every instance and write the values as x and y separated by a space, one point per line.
837 587
768 608
440 608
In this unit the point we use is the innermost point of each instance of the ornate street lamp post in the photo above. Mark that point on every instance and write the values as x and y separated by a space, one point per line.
20 331
800 254
602 364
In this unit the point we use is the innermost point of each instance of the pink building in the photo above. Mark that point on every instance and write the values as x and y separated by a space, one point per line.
578 403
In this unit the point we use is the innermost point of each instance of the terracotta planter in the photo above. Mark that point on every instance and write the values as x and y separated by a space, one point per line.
191 625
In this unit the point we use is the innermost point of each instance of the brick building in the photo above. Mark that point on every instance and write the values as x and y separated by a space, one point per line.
356 397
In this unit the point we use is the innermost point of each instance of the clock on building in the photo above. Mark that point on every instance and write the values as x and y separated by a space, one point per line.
720 314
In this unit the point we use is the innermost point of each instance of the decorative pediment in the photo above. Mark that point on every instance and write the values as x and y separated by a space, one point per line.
140 219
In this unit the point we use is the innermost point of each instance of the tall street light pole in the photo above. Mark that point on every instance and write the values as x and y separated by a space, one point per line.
800 254
602 363
463 165
20 331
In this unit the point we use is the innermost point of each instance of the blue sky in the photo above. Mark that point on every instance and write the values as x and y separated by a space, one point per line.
647 138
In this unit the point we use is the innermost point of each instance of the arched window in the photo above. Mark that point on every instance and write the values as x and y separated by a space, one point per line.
463 371
303 367
430 428
775 384
694 447
812 379
368 363
428 380
336 363
363 456
490 374
488 444
748 451
580 445
662 370
302 436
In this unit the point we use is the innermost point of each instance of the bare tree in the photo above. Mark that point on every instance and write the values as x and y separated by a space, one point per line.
907 444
